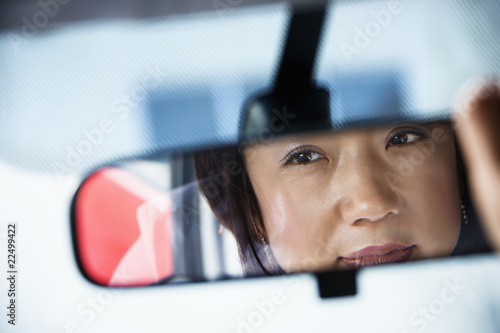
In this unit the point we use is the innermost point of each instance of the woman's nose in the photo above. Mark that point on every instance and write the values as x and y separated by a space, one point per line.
365 193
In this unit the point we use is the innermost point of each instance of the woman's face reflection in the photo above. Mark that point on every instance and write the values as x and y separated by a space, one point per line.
358 198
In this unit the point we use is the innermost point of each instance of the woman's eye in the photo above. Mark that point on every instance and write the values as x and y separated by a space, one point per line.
301 158
404 137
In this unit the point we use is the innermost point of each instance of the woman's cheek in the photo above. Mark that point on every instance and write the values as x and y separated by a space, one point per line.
446 206
295 226
431 196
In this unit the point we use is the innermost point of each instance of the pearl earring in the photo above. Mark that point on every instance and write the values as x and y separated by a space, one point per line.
266 249
465 219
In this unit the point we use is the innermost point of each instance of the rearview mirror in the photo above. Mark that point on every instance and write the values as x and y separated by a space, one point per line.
309 202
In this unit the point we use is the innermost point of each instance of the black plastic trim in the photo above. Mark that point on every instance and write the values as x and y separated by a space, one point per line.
337 283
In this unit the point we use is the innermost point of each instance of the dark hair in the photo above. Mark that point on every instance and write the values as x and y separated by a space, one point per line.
223 180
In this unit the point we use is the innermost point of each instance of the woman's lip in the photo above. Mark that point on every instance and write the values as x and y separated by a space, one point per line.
379 255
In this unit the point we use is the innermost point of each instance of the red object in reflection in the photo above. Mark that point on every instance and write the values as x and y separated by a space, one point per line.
123 222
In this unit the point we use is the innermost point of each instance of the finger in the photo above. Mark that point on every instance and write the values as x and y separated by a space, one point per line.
477 124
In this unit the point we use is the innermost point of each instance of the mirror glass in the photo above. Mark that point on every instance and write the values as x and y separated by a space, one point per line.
312 202
145 221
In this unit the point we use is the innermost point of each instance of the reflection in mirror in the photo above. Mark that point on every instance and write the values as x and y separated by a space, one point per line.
311 202
144 222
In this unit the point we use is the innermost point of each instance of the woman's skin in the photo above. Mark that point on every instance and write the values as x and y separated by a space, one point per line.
325 197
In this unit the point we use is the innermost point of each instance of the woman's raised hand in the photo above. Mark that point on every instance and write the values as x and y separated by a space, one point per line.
477 124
